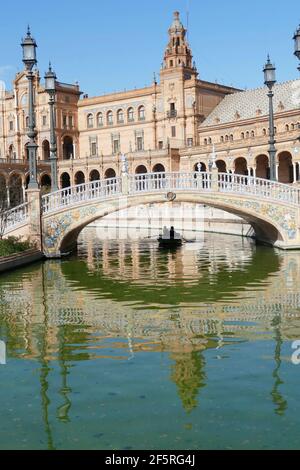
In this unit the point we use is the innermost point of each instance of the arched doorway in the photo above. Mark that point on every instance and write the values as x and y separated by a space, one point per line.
158 168
65 180
285 170
200 167
94 175
45 184
262 167
46 150
68 148
110 173
140 170
79 178
221 165
240 166
15 190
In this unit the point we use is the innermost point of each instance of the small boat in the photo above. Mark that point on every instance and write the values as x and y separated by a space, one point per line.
169 242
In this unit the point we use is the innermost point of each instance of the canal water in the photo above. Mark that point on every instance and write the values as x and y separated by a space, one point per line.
125 346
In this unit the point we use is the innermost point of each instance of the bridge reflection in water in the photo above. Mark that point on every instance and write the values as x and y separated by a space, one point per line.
117 301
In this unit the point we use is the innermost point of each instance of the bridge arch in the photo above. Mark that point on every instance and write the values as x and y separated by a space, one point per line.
266 230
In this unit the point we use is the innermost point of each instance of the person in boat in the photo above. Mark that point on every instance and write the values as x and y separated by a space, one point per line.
165 234
172 233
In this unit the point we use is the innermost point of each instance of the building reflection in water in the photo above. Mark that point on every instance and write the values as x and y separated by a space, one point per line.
183 303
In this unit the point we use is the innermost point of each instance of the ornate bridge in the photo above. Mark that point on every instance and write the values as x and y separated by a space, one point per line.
54 221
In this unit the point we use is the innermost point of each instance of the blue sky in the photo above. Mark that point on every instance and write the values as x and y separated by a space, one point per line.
116 44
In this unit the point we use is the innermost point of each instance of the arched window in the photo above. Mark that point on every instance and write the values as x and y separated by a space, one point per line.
226 138
242 135
120 116
90 120
110 119
99 119
231 137
222 139
252 134
209 140
264 131
292 127
141 113
287 128
247 135
205 141
27 122
130 114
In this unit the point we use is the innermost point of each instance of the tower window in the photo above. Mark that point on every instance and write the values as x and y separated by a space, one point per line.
171 63
173 130
11 125
44 121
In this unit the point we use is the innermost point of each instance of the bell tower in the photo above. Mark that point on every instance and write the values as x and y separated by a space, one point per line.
178 53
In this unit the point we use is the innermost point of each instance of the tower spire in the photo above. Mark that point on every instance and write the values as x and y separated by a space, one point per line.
178 53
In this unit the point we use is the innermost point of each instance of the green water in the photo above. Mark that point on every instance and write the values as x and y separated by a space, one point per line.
125 346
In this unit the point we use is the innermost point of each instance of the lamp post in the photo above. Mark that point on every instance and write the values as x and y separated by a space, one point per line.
297 45
50 78
270 80
29 59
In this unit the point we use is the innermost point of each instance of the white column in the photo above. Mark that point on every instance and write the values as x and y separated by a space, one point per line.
254 172
74 151
277 171
8 196
294 172
24 192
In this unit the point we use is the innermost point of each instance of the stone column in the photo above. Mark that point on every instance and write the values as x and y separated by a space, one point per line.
277 172
35 227
254 172
215 179
125 184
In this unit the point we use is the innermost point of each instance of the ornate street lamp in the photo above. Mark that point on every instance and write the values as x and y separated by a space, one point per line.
50 79
270 80
29 59
297 45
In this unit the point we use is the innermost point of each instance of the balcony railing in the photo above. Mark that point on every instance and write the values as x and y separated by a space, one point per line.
172 113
